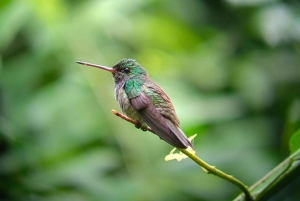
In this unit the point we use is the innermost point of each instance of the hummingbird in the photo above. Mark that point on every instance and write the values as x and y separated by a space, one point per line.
144 101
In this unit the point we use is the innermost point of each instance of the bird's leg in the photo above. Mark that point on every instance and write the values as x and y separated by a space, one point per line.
138 125
144 128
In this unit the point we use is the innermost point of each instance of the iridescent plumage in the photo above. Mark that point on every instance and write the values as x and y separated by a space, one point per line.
144 101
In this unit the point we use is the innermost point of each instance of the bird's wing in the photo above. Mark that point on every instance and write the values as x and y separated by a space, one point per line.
149 105
161 101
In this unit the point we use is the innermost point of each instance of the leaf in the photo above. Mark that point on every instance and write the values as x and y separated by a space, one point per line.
295 142
179 156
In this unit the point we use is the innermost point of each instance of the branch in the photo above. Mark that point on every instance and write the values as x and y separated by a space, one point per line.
209 168
219 173
115 112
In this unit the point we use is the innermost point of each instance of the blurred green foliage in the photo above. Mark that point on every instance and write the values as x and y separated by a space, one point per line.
231 68
295 142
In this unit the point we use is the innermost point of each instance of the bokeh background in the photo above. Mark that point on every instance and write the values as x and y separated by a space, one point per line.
231 68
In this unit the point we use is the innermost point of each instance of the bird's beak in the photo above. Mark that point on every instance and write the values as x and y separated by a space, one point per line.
96 66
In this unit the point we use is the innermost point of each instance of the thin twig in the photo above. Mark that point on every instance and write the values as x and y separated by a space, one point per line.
209 168
122 116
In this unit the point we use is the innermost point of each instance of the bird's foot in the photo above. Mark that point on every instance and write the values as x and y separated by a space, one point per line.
144 128
138 125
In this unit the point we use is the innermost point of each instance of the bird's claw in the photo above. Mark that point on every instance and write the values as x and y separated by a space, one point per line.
138 125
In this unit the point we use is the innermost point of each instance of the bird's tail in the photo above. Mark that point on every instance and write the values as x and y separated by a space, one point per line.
179 134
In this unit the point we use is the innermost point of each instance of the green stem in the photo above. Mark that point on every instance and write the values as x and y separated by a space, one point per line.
215 171
210 169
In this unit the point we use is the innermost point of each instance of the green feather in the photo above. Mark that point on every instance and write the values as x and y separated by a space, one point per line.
133 87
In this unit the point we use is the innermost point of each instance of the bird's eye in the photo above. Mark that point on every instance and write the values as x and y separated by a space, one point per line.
126 70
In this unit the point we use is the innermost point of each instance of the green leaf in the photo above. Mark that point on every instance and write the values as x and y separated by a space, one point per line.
295 142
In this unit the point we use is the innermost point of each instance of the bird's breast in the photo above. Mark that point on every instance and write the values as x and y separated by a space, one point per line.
125 104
